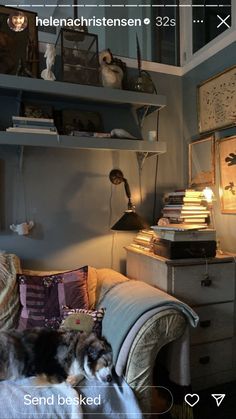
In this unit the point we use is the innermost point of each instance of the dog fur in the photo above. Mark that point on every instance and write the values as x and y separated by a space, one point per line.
54 356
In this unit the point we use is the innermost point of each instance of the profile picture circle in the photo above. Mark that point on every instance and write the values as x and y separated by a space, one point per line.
17 21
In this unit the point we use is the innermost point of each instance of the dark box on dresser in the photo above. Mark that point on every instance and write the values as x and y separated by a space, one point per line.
185 249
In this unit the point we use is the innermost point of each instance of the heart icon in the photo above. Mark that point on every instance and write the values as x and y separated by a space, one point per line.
191 399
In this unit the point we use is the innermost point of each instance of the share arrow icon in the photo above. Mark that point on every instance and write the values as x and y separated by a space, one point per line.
218 398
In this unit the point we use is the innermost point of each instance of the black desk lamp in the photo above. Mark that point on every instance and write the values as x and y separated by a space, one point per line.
130 220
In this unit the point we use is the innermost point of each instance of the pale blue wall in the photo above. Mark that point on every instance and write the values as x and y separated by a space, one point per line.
67 194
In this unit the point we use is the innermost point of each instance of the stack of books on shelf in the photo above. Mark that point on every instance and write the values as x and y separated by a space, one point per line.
143 240
178 241
185 207
32 125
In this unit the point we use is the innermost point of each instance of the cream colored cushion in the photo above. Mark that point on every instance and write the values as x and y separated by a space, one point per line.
106 279
92 286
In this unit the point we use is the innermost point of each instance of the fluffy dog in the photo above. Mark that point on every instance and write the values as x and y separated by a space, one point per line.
54 356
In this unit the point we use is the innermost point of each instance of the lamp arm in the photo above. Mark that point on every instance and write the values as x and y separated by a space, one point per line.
128 194
127 188
116 177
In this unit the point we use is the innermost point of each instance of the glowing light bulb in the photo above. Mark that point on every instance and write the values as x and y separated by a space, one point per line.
208 194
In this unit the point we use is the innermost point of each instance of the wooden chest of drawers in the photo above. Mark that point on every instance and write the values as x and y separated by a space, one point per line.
209 287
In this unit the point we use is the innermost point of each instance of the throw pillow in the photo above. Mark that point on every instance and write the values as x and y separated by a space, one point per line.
91 281
43 298
71 316
81 322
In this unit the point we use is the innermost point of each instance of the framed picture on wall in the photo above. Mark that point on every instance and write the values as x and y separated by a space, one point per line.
227 160
18 42
217 101
202 162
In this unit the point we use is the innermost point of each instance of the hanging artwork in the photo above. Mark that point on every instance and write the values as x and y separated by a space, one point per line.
202 162
217 101
227 156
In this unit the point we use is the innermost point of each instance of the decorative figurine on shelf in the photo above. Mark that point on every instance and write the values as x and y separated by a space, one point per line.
121 133
50 55
112 74
22 229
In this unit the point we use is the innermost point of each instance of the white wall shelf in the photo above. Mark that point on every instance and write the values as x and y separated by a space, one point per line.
64 141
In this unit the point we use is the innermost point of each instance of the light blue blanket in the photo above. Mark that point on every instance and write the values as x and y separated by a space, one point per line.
22 400
126 302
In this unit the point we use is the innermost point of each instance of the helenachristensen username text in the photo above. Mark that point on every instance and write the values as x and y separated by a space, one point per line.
93 21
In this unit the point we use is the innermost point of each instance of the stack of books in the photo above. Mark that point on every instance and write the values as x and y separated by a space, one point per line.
32 125
143 240
177 233
185 207
175 242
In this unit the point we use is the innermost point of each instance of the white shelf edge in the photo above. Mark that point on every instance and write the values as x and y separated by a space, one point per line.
86 143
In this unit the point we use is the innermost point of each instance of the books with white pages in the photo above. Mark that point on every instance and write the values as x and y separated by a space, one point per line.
32 130
144 238
177 227
25 119
185 207
186 235
185 192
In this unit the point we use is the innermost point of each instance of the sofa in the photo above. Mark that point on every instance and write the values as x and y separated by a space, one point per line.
136 356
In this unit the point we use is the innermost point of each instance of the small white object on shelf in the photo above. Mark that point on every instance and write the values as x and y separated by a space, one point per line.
50 55
152 136
121 133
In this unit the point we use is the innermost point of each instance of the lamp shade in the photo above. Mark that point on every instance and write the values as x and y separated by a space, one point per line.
129 221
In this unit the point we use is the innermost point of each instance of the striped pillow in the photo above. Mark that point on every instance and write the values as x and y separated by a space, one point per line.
43 298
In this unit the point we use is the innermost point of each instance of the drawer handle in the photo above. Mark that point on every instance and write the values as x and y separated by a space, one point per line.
205 323
206 282
204 360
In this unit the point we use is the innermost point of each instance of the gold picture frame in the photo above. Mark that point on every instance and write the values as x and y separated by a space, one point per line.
217 101
18 45
202 162
227 163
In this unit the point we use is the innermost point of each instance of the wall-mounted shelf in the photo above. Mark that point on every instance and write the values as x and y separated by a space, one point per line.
83 92
117 109
64 141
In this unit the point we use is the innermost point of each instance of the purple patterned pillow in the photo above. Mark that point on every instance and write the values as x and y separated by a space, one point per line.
43 297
